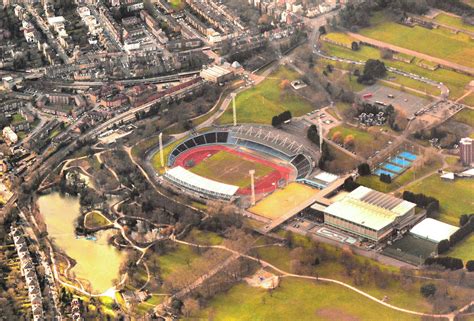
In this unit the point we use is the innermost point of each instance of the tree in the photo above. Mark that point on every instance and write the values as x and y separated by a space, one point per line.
386 53
349 184
375 68
355 46
470 266
284 84
190 307
443 246
349 141
363 169
464 218
313 134
322 30
337 137
386 178
428 290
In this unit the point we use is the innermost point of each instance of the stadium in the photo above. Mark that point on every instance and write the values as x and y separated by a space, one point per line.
216 163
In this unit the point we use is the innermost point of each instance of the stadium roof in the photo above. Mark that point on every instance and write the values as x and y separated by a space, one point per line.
326 177
200 182
369 208
433 230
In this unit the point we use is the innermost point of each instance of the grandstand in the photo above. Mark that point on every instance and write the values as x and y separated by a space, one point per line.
200 184
259 139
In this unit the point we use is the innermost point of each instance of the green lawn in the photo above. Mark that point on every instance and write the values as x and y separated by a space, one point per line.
204 237
267 99
155 160
17 118
439 43
465 116
464 249
177 4
455 197
456 82
96 219
229 168
297 300
173 260
373 181
455 22
414 84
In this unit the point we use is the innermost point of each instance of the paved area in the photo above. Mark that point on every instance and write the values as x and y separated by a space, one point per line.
403 100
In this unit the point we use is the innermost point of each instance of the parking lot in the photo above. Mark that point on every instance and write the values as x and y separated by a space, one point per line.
409 103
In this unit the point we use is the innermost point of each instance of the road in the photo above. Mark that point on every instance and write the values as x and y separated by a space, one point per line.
443 62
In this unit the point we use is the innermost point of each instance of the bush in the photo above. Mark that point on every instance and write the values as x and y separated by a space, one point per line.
463 231
385 178
349 184
428 290
447 262
363 169
443 246
313 134
281 118
463 219
470 265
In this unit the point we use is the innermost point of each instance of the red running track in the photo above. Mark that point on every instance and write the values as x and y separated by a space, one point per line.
263 184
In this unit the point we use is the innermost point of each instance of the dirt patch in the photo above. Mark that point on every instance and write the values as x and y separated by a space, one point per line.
335 314
263 279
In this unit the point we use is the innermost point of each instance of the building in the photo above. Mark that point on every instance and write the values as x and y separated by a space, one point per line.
433 230
369 214
216 74
466 150
10 136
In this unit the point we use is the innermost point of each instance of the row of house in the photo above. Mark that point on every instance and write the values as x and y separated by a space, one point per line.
29 272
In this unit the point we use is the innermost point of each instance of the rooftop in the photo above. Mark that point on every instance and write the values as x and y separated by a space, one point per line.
433 230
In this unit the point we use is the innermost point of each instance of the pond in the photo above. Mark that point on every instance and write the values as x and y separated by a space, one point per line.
96 261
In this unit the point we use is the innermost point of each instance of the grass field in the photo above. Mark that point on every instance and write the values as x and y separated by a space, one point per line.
297 300
464 249
436 42
95 219
229 168
455 198
283 200
260 103
456 82
365 141
452 21
465 116
373 181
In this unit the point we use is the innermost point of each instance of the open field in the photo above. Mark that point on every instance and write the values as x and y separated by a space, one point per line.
465 116
283 200
436 42
267 99
452 21
95 219
456 82
464 249
455 197
229 168
297 300
366 142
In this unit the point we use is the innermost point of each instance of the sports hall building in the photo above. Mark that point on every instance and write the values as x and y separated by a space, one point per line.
369 214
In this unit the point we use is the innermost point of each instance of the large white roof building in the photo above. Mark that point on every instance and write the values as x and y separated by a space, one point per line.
368 213
433 230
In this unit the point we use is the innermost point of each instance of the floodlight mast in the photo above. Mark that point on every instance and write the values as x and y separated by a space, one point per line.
252 184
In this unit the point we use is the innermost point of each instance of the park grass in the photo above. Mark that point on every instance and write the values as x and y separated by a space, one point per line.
452 21
439 43
455 197
229 168
180 257
365 141
339 37
155 160
17 118
414 84
204 238
299 300
456 82
464 249
465 116
283 200
468 100
408 176
260 103
96 219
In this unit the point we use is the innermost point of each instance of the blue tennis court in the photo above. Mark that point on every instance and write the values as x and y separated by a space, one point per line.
400 161
407 155
379 171
393 168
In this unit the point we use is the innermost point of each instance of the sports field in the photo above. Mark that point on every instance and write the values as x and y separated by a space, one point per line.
229 168
455 198
283 200
439 43
267 99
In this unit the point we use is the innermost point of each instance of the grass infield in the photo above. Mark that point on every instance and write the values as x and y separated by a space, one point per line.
230 169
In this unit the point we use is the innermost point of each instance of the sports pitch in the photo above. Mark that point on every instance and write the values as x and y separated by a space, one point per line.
229 168
283 200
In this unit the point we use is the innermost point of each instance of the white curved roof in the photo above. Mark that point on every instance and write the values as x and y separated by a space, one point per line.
202 183
433 230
